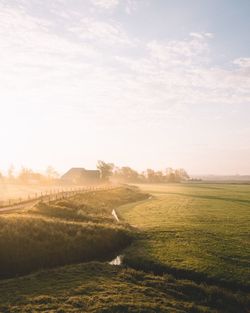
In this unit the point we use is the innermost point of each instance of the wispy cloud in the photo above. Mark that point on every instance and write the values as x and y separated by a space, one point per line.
106 33
105 4
78 63
96 61
131 6
101 56
185 52
242 62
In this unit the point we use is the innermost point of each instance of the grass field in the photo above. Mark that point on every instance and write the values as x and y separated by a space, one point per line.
17 191
103 288
77 229
199 230
189 252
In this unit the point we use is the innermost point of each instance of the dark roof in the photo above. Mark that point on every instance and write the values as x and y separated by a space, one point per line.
81 175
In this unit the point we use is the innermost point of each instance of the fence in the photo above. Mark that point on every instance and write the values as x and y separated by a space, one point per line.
51 195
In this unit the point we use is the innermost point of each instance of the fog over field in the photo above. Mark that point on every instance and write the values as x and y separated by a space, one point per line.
148 84
124 156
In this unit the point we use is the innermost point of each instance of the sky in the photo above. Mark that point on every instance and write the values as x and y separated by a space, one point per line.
142 83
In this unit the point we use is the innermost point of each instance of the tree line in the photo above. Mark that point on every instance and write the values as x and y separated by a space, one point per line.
108 172
125 174
28 176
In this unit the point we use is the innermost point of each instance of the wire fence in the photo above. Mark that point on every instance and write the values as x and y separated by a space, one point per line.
50 195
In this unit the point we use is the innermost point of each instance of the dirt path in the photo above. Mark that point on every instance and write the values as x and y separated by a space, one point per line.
20 206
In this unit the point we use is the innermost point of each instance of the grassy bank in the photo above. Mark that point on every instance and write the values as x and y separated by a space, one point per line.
175 264
96 287
78 229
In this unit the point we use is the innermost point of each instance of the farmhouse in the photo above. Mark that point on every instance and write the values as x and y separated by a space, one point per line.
81 176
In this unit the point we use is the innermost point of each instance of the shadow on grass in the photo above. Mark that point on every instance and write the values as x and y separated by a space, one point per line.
221 295
151 266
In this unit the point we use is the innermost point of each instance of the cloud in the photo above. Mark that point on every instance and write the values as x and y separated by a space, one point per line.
182 52
182 73
93 64
38 65
242 62
80 69
105 4
130 6
109 33
201 35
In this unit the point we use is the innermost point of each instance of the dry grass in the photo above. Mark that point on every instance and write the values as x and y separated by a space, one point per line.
78 229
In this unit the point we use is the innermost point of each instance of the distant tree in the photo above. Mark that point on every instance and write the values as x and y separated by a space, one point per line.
141 177
182 174
155 176
175 176
25 175
169 175
51 173
159 177
150 175
171 178
126 174
11 173
106 169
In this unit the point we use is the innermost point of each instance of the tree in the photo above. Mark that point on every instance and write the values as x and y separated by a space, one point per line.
170 175
183 174
11 173
180 174
106 169
51 173
176 176
25 175
150 174
126 174
159 177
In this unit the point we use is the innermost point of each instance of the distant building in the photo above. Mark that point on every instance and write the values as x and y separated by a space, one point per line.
81 176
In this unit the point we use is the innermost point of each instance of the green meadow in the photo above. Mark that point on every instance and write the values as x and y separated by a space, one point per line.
103 288
185 249
198 231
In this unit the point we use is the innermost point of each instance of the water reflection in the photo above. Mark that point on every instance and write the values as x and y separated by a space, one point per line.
117 260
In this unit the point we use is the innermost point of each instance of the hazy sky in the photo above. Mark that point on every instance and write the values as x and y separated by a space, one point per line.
144 83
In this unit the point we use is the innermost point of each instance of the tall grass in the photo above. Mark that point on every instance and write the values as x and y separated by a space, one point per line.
79 229
95 206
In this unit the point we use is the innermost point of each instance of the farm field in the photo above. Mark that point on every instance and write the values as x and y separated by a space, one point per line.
56 257
17 191
77 229
199 231
11 193
103 288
